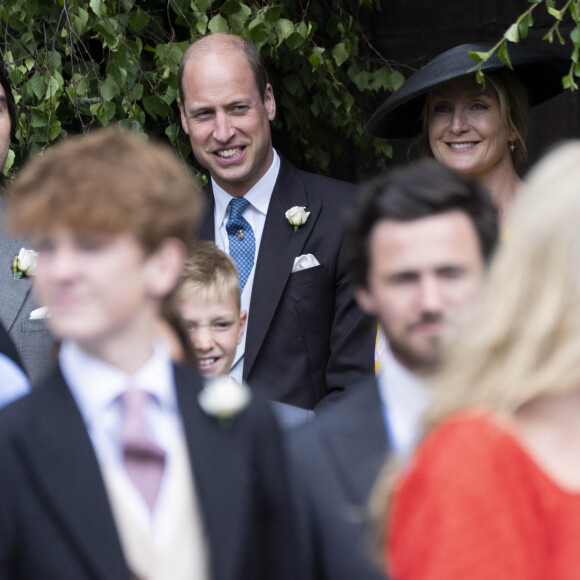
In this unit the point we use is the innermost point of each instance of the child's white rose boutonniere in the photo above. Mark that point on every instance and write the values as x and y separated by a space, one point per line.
24 264
224 398
297 216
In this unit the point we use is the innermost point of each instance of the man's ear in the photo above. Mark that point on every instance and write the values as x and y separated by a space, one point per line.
164 266
365 300
270 102
243 320
183 116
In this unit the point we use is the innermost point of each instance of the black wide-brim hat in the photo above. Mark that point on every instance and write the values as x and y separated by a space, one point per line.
540 71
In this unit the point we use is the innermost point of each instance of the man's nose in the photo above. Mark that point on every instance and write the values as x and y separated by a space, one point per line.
62 264
430 297
223 130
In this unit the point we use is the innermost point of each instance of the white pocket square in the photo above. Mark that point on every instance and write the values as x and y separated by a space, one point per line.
39 313
304 262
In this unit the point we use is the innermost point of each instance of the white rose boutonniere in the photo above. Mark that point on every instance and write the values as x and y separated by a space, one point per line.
296 216
224 398
24 264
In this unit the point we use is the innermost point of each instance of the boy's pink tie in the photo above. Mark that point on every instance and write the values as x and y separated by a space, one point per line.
144 459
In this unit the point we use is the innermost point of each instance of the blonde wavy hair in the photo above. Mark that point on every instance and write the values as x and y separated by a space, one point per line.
522 338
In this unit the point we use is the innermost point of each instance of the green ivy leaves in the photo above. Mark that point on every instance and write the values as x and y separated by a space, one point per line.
75 66
519 30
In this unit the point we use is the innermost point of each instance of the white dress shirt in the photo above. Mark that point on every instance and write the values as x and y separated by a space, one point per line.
96 387
405 399
259 197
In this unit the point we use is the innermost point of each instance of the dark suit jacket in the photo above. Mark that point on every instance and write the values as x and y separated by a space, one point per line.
31 337
306 336
8 349
55 519
335 460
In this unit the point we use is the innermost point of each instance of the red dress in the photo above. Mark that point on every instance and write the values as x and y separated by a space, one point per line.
474 505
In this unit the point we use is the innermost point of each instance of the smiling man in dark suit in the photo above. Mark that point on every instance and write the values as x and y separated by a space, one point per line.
306 338
419 241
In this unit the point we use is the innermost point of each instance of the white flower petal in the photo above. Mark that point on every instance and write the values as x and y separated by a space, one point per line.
224 398
297 215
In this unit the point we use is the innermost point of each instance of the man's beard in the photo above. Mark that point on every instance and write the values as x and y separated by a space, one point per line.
421 359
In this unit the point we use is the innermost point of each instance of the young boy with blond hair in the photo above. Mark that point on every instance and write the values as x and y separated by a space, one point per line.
208 296
111 468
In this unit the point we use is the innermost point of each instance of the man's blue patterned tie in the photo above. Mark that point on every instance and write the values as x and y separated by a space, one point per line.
241 239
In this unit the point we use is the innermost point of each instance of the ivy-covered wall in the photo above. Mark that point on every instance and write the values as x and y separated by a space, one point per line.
414 32
76 65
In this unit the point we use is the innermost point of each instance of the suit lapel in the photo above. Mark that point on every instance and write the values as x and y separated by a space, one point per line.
220 463
207 227
279 247
66 471
363 428
12 292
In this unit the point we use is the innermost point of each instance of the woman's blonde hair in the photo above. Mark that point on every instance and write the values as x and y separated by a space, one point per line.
522 339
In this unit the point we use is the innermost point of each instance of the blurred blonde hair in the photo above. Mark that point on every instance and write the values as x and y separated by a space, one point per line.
209 274
522 338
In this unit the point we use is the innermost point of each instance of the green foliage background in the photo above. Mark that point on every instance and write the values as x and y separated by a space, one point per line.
79 65
569 11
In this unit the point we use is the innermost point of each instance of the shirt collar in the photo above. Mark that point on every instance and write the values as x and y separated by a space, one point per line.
95 384
258 196
406 399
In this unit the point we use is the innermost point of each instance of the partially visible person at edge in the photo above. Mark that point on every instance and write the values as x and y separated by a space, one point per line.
306 338
478 130
419 242
28 337
493 491
208 298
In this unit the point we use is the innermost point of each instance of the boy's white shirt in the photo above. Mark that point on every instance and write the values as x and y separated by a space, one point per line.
170 540
405 398
96 387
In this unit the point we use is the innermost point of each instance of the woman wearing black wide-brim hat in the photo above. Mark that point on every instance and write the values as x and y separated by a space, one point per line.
478 130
